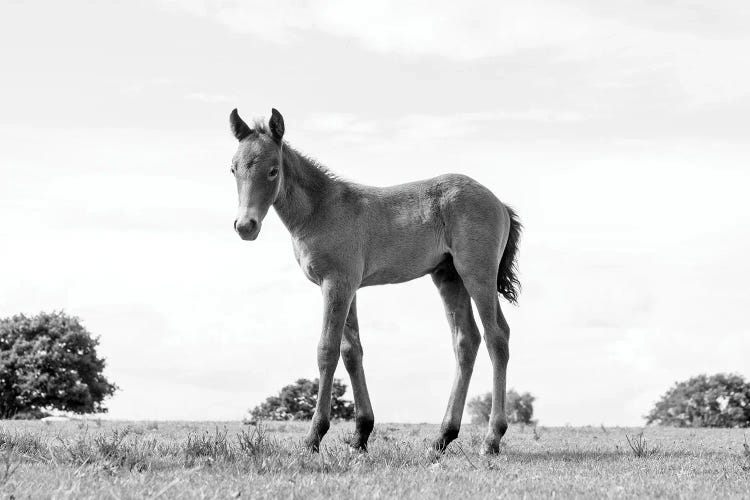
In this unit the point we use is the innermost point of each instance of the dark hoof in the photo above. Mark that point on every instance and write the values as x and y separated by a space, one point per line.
433 455
312 445
446 437
490 447
357 444
440 445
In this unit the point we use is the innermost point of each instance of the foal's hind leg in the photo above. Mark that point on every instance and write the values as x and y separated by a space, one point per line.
478 244
466 341
496 336
351 353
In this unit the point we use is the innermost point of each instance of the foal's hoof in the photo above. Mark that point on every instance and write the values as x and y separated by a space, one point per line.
432 455
490 448
312 445
356 444
439 445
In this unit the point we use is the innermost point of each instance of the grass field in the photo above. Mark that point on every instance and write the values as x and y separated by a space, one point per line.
228 460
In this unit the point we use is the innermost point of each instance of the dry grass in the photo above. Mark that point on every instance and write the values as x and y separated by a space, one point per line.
640 447
199 460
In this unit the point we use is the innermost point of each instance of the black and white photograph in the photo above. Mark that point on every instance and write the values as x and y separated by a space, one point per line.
374 250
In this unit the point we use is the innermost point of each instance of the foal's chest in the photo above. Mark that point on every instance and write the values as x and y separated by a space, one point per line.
311 260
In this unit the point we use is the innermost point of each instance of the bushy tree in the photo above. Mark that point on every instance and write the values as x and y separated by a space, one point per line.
721 400
519 408
479 408
297 402
48 362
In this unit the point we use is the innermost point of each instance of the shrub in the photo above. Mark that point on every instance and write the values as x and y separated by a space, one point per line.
297 402
47 362
519 408
721 400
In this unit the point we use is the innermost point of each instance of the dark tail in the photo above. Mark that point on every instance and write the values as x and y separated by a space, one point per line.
507 275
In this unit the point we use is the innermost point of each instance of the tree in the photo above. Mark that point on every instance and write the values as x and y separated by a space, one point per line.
297 402
519 408
48 362
721 400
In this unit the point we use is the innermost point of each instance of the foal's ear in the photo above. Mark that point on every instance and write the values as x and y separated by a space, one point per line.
239 127
276 124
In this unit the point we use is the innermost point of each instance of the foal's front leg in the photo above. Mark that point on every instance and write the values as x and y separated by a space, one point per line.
351 353
337 297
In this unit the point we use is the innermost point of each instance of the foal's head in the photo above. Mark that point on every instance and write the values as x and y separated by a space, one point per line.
257 168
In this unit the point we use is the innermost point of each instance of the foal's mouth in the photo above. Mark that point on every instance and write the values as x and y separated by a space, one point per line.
248 232
251 235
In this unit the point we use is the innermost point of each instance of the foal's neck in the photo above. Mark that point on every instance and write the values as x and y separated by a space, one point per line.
305 185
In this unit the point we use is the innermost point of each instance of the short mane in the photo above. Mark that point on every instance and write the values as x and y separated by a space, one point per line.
260 126
291 153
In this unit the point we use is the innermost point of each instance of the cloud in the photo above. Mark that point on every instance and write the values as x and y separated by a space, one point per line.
446 28
140 86
697 49
210 98
350 127
433 126
480 28
161 83
344 126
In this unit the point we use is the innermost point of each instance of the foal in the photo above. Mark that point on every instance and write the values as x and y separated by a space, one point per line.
346 236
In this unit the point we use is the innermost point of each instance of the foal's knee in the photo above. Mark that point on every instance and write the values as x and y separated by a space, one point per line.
467 345
498 345
504 326
351 354
328 356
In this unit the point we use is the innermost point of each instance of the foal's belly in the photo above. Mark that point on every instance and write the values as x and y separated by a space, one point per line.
403 259
387 276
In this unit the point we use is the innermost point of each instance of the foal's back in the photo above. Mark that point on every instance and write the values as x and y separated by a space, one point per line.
399 233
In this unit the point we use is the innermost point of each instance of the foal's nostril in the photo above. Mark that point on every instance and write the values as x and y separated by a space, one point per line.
246 227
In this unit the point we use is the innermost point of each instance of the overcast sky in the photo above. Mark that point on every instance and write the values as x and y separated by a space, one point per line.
618 130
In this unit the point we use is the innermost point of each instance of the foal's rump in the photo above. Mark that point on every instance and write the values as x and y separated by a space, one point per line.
481 232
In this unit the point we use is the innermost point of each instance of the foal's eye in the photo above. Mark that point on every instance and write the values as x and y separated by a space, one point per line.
273 172
231 169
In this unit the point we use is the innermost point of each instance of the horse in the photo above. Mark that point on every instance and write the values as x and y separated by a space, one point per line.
347 236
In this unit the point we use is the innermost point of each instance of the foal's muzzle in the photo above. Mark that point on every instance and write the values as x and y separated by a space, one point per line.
248 229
